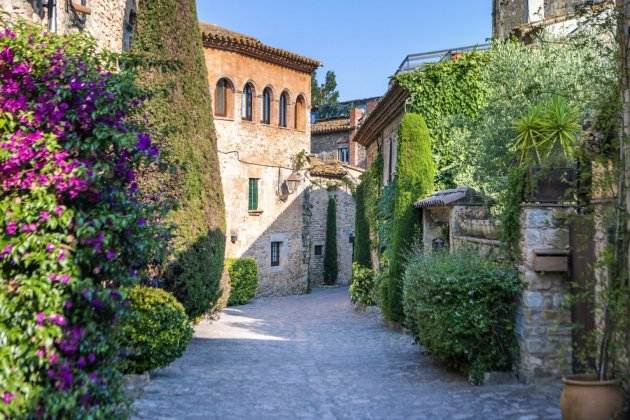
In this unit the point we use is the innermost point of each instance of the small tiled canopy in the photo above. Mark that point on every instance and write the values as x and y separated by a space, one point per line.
463 196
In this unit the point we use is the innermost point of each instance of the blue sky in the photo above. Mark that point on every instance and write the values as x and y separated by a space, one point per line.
362 41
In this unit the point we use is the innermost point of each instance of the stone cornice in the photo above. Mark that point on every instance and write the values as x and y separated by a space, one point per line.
221 38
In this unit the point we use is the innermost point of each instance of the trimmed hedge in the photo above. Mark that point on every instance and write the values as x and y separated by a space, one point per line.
330 252
362 241
243 280
363 287
168 35
414 179
156 329
462 309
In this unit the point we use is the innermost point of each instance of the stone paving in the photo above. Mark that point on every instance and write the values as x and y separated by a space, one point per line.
314 357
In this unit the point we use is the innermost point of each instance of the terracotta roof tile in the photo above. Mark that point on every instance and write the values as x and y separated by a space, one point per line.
217 37
331 126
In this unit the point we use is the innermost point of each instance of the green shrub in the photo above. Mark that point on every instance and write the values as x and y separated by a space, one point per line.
414 179
156 329
167 33
362 241
243 280
362 289
462 309
330 252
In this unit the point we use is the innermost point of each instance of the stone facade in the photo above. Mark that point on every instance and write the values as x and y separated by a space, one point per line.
110 22
543 321
519 16
319 197
332 137
262 107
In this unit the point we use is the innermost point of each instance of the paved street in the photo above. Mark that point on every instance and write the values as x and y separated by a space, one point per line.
313 357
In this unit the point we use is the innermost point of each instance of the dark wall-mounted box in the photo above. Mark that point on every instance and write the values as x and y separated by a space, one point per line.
551 260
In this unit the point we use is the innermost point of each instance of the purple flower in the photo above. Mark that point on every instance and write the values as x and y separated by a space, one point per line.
8 397
44 215
40 318
91 358
50 248
41 352
61 256
81 363
142 221
110 254
57 320
28 227
11 228
6 251
59 210
53 358
144 142
68 305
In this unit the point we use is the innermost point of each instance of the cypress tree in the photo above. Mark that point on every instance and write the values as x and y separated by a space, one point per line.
415 172
362 241
180 110
330 253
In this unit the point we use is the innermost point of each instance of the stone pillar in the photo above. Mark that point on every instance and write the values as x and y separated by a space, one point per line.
543 319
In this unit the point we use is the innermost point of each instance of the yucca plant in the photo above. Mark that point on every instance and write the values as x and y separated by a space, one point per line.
547 131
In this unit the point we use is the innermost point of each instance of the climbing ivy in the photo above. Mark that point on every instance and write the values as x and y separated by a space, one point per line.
415 173
180 109
442 92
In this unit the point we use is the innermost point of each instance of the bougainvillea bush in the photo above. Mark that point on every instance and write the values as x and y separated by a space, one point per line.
72 225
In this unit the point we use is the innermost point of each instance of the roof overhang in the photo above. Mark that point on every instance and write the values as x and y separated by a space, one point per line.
388 108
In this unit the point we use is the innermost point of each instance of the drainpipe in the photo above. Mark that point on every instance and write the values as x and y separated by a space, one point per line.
52 15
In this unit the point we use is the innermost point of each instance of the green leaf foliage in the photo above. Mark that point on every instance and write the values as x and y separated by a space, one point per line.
180 109
362 239
363 287
243 280
462 309
330 250
414 180
156 329
442 92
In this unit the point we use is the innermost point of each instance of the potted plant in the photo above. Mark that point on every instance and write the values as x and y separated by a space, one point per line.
545 141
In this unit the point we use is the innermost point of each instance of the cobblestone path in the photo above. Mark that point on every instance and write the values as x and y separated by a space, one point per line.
313 357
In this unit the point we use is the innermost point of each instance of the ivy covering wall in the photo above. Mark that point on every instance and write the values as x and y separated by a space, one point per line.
180 109
415 173
443 92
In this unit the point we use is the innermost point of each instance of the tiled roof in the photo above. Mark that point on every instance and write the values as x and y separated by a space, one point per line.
217 37
463 195
326 168
390 106
331 126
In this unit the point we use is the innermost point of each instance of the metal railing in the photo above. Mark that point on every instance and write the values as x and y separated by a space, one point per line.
414 61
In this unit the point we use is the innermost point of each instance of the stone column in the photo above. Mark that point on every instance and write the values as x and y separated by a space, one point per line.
543 319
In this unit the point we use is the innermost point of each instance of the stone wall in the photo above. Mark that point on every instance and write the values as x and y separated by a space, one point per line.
543 323
329 143
473 228
509 14
110 22
345 230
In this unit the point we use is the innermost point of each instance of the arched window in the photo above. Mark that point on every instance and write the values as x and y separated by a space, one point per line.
300 113
247 110
266 106
284 103
223 98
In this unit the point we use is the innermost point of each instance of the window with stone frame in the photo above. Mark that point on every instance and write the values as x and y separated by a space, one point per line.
319 250
284 103
342 154
223 98
253 194
275 253
266 106
247 110
300 113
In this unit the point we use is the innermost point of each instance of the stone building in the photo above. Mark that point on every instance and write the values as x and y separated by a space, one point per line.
110 22
334 127
261 102
522 17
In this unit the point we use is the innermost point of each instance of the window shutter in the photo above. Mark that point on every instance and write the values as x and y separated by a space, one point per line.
253 194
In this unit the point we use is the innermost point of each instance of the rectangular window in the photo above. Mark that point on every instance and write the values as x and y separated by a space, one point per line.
275 254
342 154
220 99
318 250
253 194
